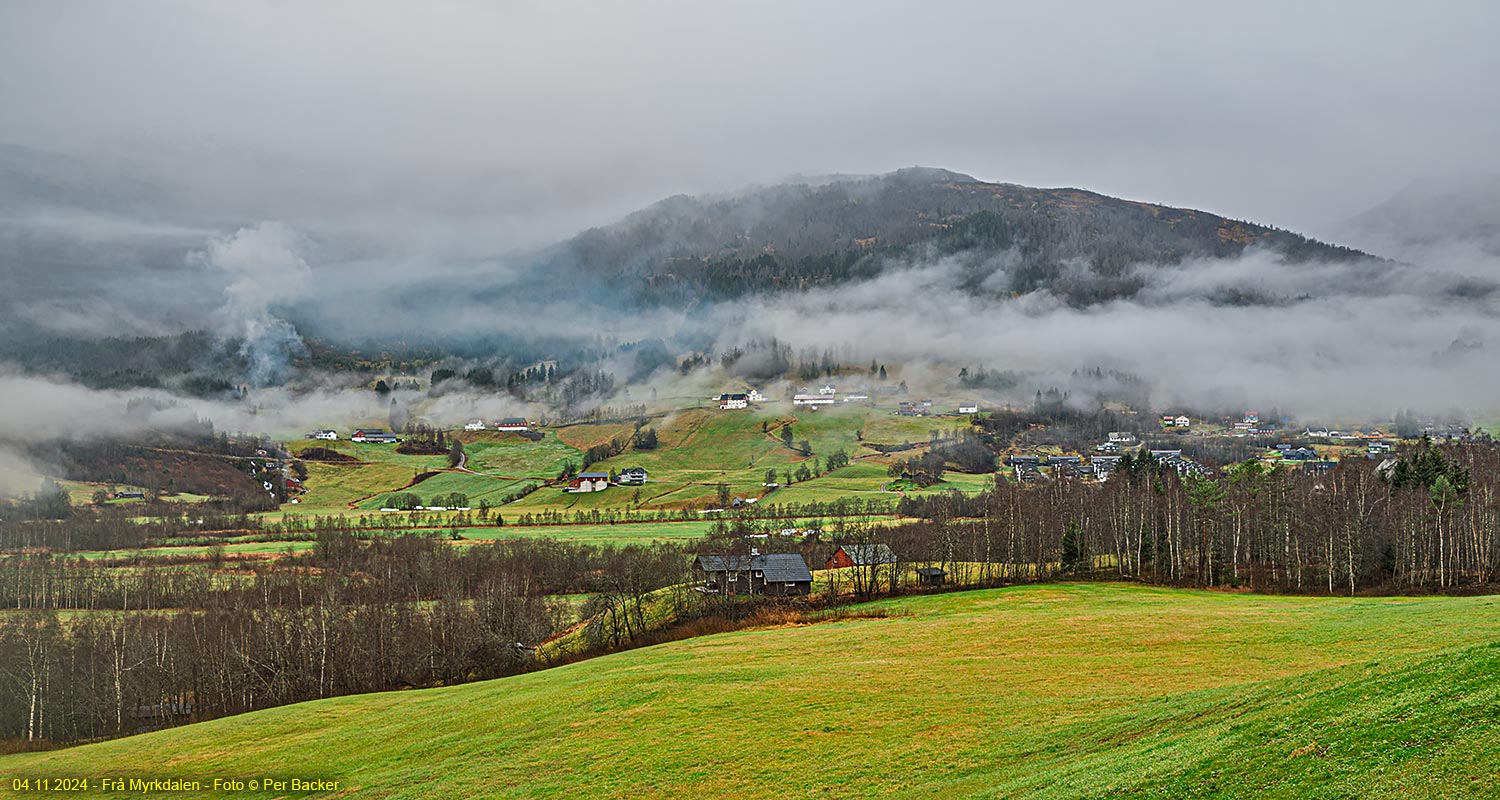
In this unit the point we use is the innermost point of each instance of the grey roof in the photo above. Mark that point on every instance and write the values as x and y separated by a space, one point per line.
930 571
866 554
594 476
776 567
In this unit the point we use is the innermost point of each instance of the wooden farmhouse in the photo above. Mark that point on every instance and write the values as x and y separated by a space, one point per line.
775 574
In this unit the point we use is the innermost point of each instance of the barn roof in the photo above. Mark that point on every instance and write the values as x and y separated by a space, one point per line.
866 554
929 572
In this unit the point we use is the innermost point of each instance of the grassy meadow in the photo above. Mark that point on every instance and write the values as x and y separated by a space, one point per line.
1074 690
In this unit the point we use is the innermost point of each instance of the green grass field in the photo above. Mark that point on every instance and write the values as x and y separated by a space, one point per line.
699 448
1046 691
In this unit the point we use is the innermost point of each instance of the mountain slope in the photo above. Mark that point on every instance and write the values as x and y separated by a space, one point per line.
824 232
1044 691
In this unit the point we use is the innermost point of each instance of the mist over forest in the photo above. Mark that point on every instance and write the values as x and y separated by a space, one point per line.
264 262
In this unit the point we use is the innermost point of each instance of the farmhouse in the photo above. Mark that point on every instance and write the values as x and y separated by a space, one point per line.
374 436
860 555
968 408
325 435
777 574
589 482
512 424
1122 437
632 476
130 495
1181 421
729 402
476 425
755 395
814 400
828 390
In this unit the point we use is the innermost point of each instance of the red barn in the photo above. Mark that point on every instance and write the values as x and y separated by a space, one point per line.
860 555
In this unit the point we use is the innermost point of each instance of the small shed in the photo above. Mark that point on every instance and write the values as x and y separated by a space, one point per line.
931 576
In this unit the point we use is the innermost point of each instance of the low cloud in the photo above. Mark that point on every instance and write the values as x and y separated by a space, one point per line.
1359 339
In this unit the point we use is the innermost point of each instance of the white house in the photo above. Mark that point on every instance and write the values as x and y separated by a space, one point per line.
1181 421
476 425
755 395
812 399
968 408
729 402
1123 437
828 389
325 435
632 476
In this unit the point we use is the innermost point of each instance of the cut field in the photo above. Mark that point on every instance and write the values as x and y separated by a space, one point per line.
1083 690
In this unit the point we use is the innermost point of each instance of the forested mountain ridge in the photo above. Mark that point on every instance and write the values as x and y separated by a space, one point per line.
821 232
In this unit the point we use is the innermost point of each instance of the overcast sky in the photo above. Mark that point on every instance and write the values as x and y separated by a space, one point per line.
546 116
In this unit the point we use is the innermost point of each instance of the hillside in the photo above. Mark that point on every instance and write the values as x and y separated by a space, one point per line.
803 234
1045 691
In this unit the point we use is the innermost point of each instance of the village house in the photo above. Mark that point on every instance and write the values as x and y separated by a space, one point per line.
325 435
827 390
512 424
589 482
755 395
860 555
730 402
1122 437
776 574
813 400
1104 466
968 408
374 436
130 495
632 476
476 425
1181 421
1054 461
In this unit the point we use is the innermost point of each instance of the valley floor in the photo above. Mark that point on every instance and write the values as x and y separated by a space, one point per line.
1071 690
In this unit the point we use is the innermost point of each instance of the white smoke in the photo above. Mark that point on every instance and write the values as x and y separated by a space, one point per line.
265 267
